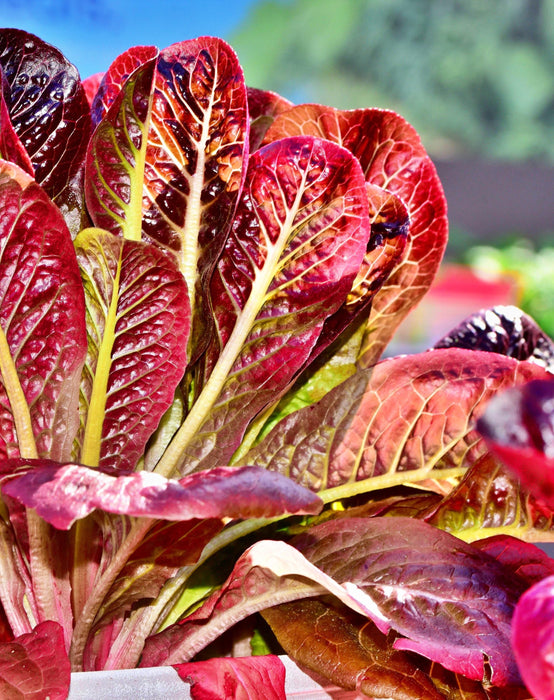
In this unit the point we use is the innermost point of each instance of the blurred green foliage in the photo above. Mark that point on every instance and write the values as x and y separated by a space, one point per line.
533 268
473 76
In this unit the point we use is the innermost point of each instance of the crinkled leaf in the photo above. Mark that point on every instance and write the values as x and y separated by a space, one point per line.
42 322
11 147
111 82
263 107
48 107
138 321
490 500
518 425
347 651
62 494
506 330
298 239
241 678
166 162
392 157
533 638
35 665
449 601
404 421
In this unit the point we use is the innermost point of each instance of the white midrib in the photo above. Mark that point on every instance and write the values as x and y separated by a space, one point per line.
199 412
188 260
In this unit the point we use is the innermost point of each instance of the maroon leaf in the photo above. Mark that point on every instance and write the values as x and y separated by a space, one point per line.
299 237
392 157
518 425
506 330
533 638
48 107
42 319
452 603
111 82
11 147
166 162
242 678
62 494
35 666
138 322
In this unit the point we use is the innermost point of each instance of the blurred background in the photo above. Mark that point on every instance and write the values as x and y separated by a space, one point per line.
475 78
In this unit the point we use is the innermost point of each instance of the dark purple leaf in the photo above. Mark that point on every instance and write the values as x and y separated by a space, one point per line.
506 330
533 638
62 494
43 322
242 678
48 107
35 666
11 147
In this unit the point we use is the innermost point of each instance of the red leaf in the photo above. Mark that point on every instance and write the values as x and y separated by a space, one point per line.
62 494
239 678
533 638
35 666
392 157
113 79
42 318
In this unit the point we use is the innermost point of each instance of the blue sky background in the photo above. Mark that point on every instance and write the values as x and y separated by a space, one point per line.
91 33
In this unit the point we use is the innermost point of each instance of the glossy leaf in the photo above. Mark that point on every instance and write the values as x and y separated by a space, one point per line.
489 500
403 422
48 107
111 82
91 85
42 318
62 494
452 603
138 322
506 330
533 638
11 148
263 107
241 678
166 163
35 666
347 651
525 559
518 425
392 157
298 240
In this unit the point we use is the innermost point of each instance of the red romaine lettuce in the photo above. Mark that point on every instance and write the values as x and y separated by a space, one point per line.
193 303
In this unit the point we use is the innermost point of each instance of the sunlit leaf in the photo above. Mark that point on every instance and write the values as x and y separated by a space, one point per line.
47 105
42 322
393 158
138 321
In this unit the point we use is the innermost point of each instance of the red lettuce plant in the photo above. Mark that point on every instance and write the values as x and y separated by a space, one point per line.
197 282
